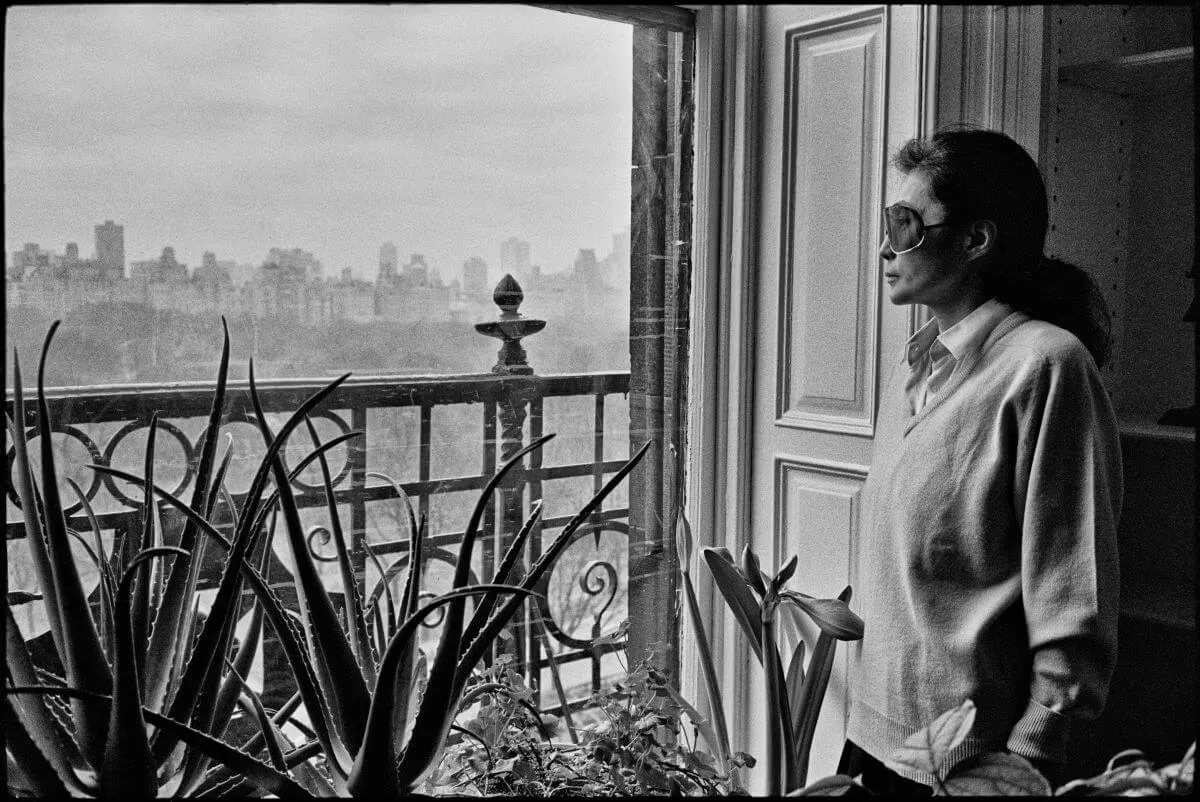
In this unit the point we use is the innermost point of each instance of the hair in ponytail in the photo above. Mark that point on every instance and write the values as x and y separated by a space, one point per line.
981 174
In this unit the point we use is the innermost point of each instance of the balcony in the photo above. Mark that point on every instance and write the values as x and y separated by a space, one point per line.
417 435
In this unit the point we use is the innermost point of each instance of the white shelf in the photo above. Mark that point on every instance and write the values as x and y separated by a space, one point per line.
1152 73
1146 426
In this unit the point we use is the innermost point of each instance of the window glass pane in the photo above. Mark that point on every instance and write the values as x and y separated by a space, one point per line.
347 184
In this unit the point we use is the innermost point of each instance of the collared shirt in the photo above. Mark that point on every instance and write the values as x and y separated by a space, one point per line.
932 357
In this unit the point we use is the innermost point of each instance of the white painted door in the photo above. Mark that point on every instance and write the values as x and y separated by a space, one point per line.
841 89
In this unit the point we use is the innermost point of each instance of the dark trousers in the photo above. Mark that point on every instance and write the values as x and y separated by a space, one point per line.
876 777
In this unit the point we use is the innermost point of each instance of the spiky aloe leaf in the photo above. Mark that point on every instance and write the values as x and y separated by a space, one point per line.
445 684
242 662
35 535
290 639
50 741
171 636
499 619
308 777
128 768
736 591
83 656
356 621
338 671
488 603
140 604
384 586
108 585
188 697
41 774
812 693
181 583
255 770
375 770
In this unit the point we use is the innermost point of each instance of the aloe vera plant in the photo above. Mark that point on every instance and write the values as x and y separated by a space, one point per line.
793 697
356 688
142 675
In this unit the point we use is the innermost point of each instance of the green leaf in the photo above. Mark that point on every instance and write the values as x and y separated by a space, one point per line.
515 549
498 620
785 573
82 656
264 776
357 622
708 669
52 742
129 768
781 747
831 615
375 769
997 774
174 615
752 572
140 599
35 536
342 677
837 785
812 693
795 685
42 770
741 601
926 749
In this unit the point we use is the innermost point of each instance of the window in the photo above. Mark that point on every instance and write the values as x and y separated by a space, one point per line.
347 185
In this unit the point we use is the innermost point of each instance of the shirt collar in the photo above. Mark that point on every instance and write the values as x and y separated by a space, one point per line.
965 336
969 334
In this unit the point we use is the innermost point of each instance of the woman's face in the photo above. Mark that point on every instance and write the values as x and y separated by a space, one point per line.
935 273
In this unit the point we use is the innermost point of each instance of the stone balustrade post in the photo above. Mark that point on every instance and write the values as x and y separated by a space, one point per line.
510 328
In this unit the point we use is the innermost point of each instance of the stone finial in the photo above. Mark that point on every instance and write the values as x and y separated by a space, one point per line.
510 328
508 296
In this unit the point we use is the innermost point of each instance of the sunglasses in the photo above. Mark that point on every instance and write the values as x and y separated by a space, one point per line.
905 228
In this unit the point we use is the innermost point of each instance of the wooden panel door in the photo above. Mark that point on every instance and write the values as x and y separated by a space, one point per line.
841 89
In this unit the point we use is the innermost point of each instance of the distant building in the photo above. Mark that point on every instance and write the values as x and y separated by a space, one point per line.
416 272
587 269
210 276
295 259
614 269
110 250
515 259
166 268
388 261
29 259
475 278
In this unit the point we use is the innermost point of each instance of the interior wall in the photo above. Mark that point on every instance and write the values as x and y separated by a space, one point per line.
1161 251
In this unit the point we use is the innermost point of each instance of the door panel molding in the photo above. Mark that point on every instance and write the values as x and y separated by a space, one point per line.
835 79
839 481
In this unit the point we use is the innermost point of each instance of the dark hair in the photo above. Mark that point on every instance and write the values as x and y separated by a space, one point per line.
980 174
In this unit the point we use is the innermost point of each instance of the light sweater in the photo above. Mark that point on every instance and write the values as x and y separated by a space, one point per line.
988 567
932 354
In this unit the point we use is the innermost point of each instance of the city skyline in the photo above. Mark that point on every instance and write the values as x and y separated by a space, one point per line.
436 131
130 262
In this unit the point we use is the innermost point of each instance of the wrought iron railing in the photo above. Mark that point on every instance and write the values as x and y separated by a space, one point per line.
105 424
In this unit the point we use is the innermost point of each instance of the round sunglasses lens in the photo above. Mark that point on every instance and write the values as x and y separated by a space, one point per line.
904 228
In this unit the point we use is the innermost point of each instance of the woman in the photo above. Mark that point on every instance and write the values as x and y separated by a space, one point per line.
989 566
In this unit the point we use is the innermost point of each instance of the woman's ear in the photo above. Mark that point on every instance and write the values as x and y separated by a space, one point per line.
982 236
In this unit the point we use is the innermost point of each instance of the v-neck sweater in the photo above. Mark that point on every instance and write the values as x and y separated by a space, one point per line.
988 566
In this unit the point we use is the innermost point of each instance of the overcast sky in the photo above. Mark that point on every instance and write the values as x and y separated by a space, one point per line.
333 128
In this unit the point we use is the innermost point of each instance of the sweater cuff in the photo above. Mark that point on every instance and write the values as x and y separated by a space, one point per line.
1040 734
